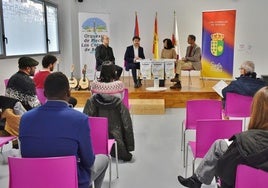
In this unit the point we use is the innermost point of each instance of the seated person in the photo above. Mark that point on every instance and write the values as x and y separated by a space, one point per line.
12 110
20 86
108 103
192 60
48 63
105 53
249 147
132 56
247 84
55 129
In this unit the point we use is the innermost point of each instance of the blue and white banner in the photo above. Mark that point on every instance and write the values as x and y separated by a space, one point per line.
91 27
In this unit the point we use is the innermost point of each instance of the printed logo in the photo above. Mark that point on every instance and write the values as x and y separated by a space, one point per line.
217 44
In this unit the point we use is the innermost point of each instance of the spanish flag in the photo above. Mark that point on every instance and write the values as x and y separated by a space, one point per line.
155 42
136 29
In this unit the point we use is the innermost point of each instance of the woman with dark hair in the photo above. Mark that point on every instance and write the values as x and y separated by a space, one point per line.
168 52
249 147
106 101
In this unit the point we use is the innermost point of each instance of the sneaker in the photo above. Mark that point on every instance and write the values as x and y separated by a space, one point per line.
175 79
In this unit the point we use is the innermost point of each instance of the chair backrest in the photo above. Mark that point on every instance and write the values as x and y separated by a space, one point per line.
126 98
202 109
208 131
40 95
52 172
99 134
248 177
237 105
6 82
6 139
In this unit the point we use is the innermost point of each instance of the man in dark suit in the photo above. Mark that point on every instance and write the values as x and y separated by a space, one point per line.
105 53
132 56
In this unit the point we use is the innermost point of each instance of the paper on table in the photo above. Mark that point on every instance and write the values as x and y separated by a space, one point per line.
219 87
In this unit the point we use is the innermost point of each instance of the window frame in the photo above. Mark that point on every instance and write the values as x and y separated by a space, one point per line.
3 53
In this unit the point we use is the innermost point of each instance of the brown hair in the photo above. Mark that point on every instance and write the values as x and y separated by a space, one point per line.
259 110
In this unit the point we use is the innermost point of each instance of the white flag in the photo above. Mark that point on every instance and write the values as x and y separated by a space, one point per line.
175 37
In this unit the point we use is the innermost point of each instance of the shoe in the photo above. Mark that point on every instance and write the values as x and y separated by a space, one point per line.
175 79
139 82
191 182
137 85
176 86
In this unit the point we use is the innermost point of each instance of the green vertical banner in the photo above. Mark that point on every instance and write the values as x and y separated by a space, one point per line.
218 44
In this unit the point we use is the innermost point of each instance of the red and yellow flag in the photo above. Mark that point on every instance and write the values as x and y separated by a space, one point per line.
155 42
136 28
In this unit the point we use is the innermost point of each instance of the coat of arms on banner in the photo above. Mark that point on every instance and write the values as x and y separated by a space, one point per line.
217 44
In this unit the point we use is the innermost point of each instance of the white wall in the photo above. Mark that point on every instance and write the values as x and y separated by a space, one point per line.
251 28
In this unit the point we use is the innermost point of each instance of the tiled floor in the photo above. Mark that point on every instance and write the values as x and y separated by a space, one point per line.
158 158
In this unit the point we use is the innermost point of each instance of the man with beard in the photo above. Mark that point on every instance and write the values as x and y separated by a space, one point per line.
20 86
48 63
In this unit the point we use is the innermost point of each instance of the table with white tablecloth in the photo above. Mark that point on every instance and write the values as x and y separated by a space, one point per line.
157 69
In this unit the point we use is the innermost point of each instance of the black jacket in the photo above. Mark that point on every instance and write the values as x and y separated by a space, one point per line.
102 54
129 56
250 148
119 120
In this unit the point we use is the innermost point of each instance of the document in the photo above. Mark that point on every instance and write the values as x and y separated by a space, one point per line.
219 87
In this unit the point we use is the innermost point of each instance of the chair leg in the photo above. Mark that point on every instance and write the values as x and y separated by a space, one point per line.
189 78
116 159
187 151
129 78
110 170
193 166
182 129
184 145
201 76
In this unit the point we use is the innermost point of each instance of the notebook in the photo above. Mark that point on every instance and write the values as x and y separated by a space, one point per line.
219 87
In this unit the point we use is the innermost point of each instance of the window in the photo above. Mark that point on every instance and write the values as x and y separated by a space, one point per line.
52 28
29 27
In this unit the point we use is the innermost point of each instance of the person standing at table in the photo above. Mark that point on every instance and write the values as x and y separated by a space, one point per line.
192 60
105 53
132 56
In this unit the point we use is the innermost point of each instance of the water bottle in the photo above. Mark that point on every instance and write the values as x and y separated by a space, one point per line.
156 82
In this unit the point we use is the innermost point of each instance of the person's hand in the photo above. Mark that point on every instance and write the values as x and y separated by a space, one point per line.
136 58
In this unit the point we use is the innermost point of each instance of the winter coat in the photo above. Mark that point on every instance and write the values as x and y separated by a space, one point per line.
249 148
119 120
